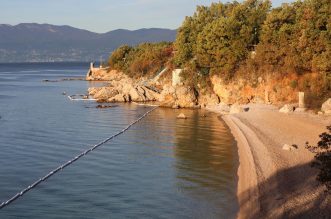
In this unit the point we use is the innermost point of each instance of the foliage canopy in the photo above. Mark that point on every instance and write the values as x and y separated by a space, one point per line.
142 60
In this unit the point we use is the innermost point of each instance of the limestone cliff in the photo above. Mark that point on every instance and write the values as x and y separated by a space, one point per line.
173 92
121 88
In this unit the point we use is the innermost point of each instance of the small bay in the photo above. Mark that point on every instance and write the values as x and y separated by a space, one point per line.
160 168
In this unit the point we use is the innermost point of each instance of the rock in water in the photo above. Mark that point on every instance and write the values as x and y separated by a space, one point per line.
100 106
286 109
181 116
326 106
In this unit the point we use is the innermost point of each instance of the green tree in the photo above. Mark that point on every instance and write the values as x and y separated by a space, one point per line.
144 59
227 41
297 37
117 60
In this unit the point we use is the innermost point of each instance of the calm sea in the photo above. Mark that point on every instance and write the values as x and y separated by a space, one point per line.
161 168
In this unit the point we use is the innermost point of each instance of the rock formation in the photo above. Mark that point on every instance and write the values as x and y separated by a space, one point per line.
287 109
121 88
326 107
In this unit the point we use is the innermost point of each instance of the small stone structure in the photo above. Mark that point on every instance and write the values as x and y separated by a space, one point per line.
176 78
302 100
302 105
94 72
90 71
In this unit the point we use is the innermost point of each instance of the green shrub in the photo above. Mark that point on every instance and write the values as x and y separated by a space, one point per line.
323 158
145 59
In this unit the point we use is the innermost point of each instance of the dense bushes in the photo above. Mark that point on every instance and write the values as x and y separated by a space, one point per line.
220 37
244 41
142 60
251 38
297 37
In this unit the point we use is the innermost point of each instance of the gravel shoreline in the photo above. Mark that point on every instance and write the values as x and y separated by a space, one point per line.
272 182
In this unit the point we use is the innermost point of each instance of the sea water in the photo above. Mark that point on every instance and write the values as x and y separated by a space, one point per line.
162 167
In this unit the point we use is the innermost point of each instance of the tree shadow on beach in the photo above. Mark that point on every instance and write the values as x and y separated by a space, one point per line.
287 194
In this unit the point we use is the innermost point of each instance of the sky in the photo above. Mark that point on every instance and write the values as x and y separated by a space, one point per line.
103 15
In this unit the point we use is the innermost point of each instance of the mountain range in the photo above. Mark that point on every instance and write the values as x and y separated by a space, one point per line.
31 42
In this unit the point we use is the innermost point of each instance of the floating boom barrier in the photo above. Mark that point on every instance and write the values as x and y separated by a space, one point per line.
82 97
61 167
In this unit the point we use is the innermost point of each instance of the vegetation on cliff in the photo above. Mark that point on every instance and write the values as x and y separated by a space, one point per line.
245 41
295 37
143 60
219 38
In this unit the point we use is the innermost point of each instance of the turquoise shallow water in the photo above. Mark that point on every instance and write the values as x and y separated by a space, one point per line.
161 168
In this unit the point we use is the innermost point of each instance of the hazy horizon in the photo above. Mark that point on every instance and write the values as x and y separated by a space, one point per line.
103 15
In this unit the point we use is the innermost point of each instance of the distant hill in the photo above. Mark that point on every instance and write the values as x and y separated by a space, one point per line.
31 42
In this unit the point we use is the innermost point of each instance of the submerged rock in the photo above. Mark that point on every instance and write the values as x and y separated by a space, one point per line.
181 116
100 106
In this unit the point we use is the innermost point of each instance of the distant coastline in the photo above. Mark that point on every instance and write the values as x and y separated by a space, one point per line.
32 42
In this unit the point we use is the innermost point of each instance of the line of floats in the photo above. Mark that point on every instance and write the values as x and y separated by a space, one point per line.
61 167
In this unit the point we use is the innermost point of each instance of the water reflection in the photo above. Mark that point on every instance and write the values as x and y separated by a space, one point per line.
205 156
160 168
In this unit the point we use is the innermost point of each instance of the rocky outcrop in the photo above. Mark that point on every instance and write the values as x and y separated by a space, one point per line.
286 109
208 99
102 93
326 107
178 97
220 90
121 88
105 74
125 93
185 97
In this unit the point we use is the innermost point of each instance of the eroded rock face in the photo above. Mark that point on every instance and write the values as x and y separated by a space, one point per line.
326 106
102 92
185 97
222 92
208 99
124 93
125 89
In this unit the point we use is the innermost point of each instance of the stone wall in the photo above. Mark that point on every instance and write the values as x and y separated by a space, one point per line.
176 78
